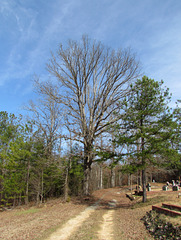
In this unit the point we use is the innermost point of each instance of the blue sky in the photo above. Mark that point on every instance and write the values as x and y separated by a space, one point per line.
30 29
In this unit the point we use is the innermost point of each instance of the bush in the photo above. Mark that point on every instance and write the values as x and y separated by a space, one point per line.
160 228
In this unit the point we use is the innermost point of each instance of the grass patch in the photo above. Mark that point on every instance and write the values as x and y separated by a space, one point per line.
150 201
174 220
48 232
28 211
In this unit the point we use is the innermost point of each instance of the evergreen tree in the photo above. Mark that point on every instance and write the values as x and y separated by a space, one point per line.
175 162
8 133
26 170
147 124
177 117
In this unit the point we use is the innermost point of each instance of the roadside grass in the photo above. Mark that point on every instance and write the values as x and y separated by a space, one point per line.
128 225
158 198
28 211
50 230
46 234
89 229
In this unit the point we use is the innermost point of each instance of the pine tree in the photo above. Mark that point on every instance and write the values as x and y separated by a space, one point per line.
147 124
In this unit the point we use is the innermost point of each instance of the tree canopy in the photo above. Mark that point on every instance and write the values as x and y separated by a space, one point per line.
92 114
147 124
91 81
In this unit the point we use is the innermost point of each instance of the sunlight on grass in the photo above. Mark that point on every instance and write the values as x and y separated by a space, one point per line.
150 201
28 211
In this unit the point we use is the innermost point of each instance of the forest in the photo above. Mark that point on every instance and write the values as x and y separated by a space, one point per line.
97 123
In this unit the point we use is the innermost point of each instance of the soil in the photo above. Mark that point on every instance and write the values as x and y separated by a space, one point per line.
106 228
112 216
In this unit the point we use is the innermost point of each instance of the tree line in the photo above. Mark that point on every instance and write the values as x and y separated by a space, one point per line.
94 110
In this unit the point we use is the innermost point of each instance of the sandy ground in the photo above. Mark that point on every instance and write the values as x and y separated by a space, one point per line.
106 228
71 226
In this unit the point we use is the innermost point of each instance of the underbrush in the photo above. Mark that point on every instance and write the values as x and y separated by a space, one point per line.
159 226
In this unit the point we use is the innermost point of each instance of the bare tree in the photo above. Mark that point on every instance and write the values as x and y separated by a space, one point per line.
90 79
47 117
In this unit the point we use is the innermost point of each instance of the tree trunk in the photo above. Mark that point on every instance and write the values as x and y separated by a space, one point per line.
112 177
42 188
14 201
38 193
101 177
66 185
151 177
19 202
143 164
129 179
144 184
27 183
88 157
131 183
120 179
37 197
86 181
138 178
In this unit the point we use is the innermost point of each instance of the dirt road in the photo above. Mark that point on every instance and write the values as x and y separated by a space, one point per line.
110 217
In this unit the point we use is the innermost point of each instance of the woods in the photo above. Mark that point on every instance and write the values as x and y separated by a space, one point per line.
93 124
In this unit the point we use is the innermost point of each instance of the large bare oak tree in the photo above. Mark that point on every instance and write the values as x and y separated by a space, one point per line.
91 79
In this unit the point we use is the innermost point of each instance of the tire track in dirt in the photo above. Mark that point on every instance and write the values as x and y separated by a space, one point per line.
106 232
72 225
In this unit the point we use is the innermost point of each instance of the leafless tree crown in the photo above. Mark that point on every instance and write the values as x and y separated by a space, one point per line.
91 80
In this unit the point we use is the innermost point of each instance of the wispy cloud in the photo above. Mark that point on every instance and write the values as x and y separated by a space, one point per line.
29 30
20 21
33 42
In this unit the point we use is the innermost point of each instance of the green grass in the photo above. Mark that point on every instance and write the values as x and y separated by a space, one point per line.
176 221
48 232
150 201
28 211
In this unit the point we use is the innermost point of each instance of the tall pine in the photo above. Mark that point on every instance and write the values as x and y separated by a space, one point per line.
147 124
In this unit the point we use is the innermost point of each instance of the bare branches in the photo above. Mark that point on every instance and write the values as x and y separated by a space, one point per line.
47 117
90 80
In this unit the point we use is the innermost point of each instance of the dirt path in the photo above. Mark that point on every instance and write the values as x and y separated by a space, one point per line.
117 221
106 228
106 232
111 218
72 225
